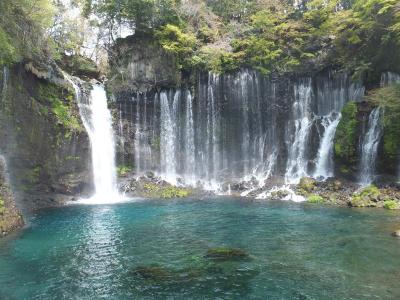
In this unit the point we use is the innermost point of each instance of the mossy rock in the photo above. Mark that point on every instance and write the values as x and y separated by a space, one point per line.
2 207
124 170
307 184
391 204
358 201
165 191
315 199
366 197
226 254
346 140
156 273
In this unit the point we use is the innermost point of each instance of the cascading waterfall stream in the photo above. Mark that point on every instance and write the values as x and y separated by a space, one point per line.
369 148
324 167
168 137
298 133
97 120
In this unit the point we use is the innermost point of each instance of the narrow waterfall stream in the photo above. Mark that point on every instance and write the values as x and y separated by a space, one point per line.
97 120
298 133
324 167
369 148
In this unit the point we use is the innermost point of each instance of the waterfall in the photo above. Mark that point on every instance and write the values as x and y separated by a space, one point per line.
168 137
389 78
369 148
332 94
239 127
325 166
298 132
4 85
98 123
189 140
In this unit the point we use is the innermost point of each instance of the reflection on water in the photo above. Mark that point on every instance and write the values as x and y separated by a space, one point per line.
157 249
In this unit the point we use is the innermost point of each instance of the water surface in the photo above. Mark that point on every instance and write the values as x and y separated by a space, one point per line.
297 251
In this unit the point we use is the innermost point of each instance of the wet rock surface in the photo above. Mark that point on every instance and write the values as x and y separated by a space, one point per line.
10 217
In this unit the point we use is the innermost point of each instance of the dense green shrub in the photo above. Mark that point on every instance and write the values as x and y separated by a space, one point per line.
346 134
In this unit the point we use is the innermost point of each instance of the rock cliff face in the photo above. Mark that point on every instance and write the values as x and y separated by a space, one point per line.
43 139
138 64
10 217
221 127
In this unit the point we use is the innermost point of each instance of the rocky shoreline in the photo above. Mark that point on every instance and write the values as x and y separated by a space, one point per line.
338 192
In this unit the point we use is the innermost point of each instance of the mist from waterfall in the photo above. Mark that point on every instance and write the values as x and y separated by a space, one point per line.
369 148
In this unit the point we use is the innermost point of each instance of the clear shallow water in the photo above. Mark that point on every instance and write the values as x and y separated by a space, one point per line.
298 251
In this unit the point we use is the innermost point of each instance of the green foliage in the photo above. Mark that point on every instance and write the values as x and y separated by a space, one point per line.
391 204
177 42
22 27
345 138
141 14
315 199
389 99
165 192
8 53
123 170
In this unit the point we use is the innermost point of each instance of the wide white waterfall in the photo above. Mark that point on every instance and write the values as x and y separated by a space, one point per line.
325 166
369 148
97 120
238 127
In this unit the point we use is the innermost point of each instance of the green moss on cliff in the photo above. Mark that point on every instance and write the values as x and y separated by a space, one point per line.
60 101
346 134
389 99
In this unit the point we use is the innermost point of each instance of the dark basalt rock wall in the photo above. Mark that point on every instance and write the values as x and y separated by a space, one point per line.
42 137
139 64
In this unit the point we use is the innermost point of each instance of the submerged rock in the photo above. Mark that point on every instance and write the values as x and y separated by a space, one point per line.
226 254
156 273
396 233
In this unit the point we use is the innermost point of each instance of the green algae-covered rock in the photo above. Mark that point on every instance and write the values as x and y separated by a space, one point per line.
315 199
226 254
